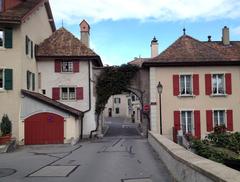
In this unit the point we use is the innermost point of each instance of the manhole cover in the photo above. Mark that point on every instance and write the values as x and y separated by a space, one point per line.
6 172
54 171
137 180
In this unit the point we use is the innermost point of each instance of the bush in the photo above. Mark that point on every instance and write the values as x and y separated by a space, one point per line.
6 125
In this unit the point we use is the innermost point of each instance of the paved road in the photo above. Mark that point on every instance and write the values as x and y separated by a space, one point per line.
112 159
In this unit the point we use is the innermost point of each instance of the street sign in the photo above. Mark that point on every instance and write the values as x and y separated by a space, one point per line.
146 107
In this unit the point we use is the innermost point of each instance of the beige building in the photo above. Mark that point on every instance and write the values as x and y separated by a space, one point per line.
200 81
21 28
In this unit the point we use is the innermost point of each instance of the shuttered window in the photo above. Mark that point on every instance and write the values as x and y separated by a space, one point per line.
197 124
30 81
6 38
56 93
1 38
1 79
8 79
29 47
186 122
66 66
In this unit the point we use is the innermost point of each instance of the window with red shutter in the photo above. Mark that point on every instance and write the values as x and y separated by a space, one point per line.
197 124
56 93
228 81
177 120
209 119
229 120
76 66
57 66
79 93
208 84
196 84
175 85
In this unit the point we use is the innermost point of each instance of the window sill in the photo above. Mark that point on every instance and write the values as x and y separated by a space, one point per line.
2 90
2 48
218 95
186 95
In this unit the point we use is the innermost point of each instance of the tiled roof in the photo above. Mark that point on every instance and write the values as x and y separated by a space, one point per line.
138 61
63 43
187 50
19 12
49 101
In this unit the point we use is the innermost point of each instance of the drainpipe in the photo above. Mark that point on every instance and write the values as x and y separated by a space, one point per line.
89 101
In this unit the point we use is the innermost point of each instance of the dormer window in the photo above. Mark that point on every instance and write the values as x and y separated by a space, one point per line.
1 37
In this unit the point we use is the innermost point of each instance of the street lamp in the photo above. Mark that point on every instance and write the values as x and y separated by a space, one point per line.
159 89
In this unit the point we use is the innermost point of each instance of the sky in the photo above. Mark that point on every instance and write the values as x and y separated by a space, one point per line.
123 29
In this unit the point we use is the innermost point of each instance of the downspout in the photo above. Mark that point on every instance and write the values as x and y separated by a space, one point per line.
89 97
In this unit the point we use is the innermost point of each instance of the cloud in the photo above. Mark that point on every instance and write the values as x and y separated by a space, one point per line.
72 11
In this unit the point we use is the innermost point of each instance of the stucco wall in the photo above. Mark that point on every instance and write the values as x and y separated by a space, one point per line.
202 102
185 166
37 27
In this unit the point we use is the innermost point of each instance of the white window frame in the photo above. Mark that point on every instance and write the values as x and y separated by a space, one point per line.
224 87
68 93
186 121
117 100
68 70
185 84
2 46
3 80
218 117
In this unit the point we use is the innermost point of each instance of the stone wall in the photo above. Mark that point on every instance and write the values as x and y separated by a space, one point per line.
186 166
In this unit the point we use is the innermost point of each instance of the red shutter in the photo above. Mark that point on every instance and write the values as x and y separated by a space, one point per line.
196 84
175 85
75 66
229 120
197 124
56 93
209 120
79 94
208 84
177 120
57 66
228 81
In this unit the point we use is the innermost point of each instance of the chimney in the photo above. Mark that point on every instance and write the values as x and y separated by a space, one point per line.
225 35
154 47
209 38
85 31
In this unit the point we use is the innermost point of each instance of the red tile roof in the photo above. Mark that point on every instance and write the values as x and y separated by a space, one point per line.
62 43
138 61
189 51
18 13
49 101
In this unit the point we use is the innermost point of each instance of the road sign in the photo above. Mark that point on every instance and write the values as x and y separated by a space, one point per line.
146 107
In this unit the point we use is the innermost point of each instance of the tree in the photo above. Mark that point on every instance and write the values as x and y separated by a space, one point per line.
6 125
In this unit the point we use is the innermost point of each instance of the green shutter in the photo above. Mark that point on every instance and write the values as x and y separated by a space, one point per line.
31 49
8 38
8 78
28 79
26 45
33 81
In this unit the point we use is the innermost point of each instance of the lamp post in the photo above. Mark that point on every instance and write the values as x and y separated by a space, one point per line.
159 89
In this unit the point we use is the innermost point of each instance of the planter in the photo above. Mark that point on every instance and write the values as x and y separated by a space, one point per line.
5 139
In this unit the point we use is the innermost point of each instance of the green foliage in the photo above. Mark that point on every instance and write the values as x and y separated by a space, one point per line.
6 125
219 145
113 80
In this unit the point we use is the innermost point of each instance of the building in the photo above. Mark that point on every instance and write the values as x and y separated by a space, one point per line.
65 72
201 87
46 76
21 28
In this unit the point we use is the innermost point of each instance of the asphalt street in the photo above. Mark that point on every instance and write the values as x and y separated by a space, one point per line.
121 156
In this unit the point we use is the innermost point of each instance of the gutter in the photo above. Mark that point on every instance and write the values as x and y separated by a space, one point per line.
89 101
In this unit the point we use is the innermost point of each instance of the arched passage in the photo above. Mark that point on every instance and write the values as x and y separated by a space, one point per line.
44 128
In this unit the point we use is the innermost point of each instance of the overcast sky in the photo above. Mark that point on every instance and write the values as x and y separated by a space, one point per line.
123 29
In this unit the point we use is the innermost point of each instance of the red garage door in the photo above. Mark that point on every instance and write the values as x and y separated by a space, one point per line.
44 128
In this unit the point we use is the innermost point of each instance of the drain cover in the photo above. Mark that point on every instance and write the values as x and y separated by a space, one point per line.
54 171
6 172
137 180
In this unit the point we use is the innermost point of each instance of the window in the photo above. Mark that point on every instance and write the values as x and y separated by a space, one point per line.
186 117
117 110
186 84
133 98
117 100
67 66
1 79
29 47
68 93
1 38
30 81
43 91
219 117
218 83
